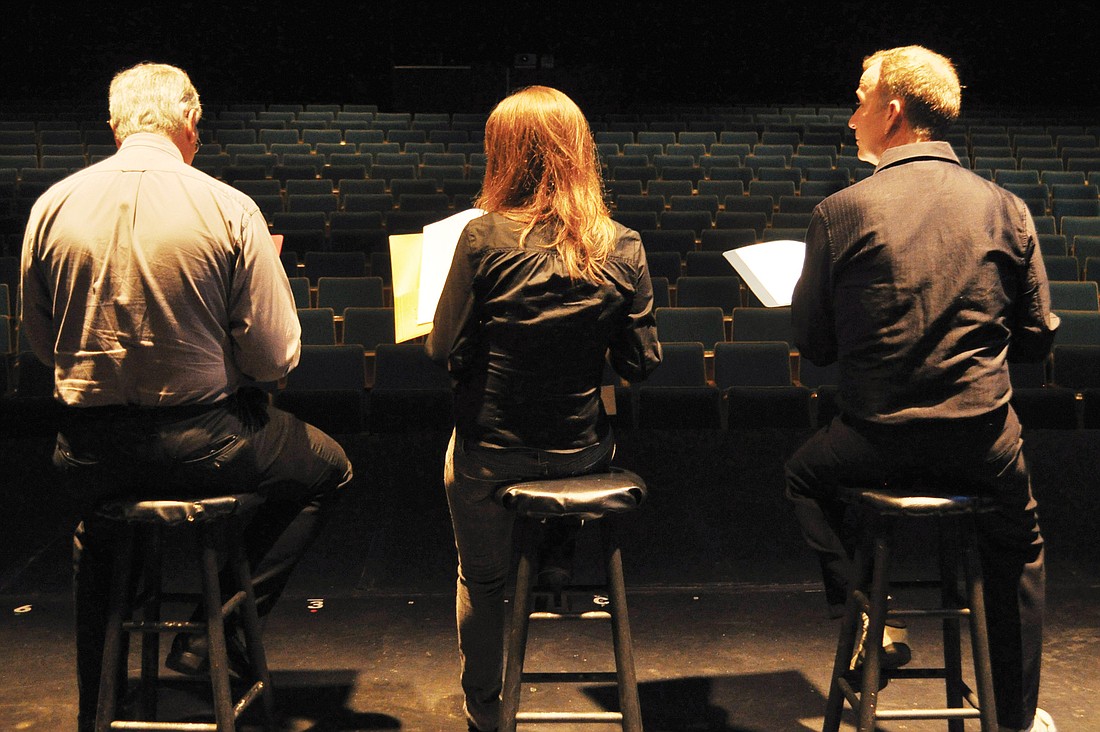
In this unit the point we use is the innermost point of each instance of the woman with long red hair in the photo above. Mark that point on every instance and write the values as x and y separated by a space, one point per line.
544 290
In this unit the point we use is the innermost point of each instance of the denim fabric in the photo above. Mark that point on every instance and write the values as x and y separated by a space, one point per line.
483 537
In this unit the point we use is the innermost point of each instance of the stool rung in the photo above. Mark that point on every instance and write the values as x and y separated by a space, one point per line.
554 717
580 590
549 677
946 713
917 673
947 612
589 615
164 626
184 598
166 726
249 696
915 584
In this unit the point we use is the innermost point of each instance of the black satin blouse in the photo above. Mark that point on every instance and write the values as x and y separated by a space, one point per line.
526 345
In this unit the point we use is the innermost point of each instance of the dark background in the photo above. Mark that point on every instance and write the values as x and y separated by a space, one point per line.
610 56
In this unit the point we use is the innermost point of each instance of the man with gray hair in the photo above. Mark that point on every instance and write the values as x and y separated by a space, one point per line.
156 294
923 281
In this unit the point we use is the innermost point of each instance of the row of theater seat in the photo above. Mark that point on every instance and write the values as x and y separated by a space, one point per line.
747 376
1070 200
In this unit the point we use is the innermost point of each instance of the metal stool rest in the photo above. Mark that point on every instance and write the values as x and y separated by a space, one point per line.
214 520
881 509
581 498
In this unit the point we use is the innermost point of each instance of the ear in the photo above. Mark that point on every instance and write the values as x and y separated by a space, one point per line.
895 114
193 121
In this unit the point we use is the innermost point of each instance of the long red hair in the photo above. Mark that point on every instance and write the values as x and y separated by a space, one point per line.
542 169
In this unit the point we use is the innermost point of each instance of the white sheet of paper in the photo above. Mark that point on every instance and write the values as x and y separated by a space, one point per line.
440 240
770 269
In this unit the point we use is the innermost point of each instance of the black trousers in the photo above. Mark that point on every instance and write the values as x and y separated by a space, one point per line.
982 454
237 446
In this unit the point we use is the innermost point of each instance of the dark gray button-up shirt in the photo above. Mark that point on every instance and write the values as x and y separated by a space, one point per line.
922 280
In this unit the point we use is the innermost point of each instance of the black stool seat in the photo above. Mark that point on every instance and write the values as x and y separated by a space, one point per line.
214 521
906 503
586 497
175 512
870 605
607 496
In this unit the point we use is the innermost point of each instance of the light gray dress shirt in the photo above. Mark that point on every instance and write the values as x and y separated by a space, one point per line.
148 282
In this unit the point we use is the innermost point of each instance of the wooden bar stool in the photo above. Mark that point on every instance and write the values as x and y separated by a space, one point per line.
212 522
881 508
583 498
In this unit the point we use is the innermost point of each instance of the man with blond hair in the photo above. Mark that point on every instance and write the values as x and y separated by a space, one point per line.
922 282
156 294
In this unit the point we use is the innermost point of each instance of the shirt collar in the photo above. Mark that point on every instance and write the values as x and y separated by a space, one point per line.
152 140
903 153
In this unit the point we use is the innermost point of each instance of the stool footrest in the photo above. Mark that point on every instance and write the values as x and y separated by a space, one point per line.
249 696
233 603
945 713
568 677
164 626
916 673
590 615
166 726
916 584
555 717
970 712
947 612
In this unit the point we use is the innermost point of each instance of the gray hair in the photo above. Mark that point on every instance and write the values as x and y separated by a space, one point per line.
151 98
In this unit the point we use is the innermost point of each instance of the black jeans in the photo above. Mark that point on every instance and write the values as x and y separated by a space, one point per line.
238 446
982 454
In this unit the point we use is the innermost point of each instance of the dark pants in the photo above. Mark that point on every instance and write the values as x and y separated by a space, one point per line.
483 537
240 446
981 454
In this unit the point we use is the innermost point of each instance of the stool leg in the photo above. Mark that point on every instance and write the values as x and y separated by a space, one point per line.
952 640
251 624
979 633
868 697
845 647
629 702
150 642
113 642
215 632
517 635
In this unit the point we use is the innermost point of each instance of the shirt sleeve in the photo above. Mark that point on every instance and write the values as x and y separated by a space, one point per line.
35 300
635 350
1033 324
451 333
263 321
812 314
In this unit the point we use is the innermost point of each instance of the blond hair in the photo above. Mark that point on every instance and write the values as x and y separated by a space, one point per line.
542 170
151 98
927 83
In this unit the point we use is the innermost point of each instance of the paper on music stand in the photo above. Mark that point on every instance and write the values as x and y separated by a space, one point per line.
436 252
770 269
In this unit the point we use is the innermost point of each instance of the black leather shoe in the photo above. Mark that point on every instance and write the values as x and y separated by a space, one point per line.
190 655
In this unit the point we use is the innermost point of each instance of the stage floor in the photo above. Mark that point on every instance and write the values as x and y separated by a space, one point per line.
727 612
